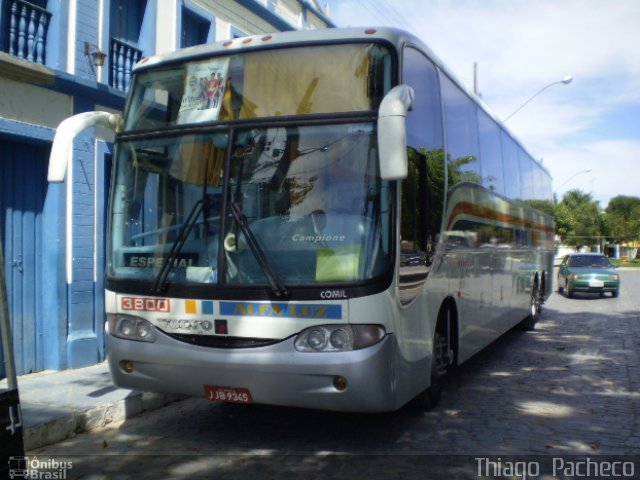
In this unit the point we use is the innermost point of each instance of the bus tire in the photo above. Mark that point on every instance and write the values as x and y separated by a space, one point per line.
441 360
535 308
429 398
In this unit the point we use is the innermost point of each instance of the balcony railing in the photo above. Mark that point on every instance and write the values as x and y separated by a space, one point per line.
123 59
27 32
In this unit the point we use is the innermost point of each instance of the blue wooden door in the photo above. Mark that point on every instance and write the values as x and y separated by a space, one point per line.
23 174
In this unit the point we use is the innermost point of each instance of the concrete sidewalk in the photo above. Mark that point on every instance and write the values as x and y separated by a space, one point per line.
59 405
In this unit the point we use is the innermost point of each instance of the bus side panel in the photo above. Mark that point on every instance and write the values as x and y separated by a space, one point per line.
413 327
492 250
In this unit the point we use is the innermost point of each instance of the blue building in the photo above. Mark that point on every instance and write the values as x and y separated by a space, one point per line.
63 57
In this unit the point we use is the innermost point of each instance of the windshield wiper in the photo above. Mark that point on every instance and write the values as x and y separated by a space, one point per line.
279 289
161 280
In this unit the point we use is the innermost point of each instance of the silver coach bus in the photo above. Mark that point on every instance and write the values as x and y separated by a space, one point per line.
320 219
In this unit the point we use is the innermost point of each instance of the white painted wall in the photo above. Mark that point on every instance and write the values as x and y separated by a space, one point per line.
27 103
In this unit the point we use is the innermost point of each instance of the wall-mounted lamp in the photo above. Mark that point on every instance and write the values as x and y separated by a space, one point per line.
93 53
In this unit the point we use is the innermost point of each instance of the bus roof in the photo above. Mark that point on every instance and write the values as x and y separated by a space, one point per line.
299 38
286 39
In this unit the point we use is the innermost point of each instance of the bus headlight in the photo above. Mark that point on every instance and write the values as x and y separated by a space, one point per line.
317 338
131 328
338 338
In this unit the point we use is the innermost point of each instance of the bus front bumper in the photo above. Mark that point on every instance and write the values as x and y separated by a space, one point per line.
276 374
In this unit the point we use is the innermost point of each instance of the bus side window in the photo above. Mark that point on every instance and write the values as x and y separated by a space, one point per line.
413 212
423 189
414 256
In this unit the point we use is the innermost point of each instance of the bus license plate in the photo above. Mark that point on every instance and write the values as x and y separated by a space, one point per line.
227 394
596 283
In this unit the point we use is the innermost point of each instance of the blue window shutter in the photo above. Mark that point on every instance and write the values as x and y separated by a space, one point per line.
194 29
126 19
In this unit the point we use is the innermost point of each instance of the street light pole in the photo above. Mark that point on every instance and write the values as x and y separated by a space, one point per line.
586 170
566 81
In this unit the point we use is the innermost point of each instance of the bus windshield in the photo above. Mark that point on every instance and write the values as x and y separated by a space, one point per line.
302 204
291 81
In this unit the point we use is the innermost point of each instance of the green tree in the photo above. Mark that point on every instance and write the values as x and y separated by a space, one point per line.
565 221
578 218
622 218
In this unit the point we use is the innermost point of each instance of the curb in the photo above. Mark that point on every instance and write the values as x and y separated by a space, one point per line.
78 421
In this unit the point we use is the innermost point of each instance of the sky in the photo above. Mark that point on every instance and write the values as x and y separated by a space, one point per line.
587 132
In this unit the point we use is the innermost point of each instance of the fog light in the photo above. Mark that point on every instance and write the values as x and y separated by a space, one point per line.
340 383
127 366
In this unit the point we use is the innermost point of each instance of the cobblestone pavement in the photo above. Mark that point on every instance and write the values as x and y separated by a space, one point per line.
572 387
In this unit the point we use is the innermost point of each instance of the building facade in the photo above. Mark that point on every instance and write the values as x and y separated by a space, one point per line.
63 57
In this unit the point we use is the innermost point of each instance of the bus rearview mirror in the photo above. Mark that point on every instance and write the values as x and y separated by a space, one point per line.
67 131
392 134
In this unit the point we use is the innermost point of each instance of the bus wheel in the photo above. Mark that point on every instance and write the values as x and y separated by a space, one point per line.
535 308
440 362
429 398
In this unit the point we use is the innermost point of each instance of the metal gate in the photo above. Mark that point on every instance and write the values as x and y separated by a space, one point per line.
22 193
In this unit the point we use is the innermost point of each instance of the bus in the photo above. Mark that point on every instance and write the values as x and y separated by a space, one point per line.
321 219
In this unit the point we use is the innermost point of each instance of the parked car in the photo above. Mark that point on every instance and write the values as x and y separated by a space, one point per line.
587 272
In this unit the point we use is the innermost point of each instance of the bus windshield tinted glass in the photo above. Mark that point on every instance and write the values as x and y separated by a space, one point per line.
291 81
166 207
303 206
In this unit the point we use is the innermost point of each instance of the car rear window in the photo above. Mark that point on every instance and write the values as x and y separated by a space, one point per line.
589 261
